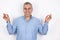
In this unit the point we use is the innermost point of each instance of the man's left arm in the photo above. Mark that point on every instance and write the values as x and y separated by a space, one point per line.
43 29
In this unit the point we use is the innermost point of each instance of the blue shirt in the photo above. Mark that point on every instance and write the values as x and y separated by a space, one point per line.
27 30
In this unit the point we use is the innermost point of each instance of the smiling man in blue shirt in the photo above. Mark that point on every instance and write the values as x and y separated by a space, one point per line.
26 27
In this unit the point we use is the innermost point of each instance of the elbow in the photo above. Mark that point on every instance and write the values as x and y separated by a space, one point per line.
10 33
43 33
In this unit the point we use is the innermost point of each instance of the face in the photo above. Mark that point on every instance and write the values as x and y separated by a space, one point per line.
27 10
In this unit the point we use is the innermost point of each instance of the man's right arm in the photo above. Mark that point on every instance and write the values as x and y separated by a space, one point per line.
11 28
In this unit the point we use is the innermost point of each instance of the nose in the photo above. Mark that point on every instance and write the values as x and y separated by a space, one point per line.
27 10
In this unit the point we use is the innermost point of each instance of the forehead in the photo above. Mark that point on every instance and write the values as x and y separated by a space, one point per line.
27 5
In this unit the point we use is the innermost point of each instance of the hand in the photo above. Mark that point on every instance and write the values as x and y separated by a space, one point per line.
6 17
48 18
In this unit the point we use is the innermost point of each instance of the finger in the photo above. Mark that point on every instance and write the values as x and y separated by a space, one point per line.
3 15
49 16
6 15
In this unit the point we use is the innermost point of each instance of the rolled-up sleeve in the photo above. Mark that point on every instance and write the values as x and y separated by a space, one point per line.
11 28
42 29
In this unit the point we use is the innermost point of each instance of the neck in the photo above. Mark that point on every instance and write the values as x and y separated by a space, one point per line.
28 18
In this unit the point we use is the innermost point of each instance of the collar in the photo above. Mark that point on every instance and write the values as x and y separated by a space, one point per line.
30 18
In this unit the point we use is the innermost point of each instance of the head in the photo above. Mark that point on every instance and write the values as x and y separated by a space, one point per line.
27 9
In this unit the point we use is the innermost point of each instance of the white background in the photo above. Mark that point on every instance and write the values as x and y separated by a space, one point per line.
41 8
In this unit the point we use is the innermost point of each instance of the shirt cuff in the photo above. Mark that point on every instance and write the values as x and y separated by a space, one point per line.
8 22
46 23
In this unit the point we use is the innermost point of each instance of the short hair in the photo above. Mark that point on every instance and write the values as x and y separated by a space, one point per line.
27 3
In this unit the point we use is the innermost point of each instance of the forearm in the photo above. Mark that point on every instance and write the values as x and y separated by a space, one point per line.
45 28
9 28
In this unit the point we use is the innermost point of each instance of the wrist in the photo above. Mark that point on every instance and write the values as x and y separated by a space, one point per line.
46 21
8 21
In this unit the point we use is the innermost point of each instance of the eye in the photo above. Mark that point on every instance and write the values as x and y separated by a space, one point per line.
24 8
29 8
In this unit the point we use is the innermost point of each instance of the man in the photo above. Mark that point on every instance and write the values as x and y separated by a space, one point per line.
26 27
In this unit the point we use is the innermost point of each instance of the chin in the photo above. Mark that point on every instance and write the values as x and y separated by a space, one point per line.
27 15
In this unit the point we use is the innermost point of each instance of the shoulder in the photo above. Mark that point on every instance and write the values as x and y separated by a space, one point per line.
36 19
18 19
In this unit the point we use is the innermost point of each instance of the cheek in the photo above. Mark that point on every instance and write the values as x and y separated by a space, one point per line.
24 10
30 10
